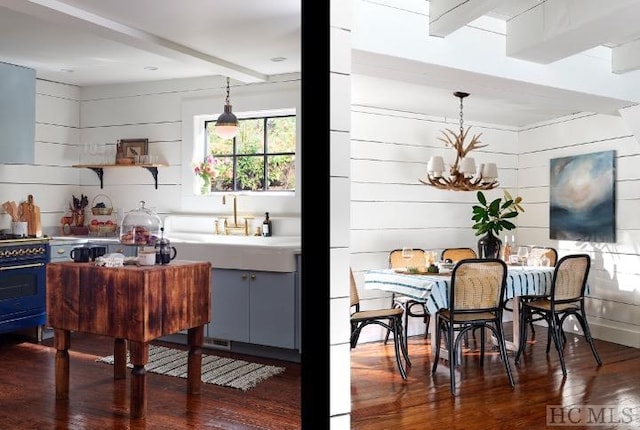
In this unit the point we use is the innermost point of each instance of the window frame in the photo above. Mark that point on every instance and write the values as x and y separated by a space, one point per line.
282 94
265 155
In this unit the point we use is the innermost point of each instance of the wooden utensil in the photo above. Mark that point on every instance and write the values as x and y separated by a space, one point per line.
34 226
24 211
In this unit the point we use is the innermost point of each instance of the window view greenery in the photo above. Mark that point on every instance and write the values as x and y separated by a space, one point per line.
260 158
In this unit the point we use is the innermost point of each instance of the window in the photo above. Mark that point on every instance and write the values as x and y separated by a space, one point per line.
260 158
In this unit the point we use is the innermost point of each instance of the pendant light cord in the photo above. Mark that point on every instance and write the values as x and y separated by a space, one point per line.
227 99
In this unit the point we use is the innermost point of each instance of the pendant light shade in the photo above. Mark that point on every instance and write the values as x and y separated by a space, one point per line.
227 123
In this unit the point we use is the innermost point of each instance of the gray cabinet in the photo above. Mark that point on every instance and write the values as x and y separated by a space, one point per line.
62 252
255 307
17 113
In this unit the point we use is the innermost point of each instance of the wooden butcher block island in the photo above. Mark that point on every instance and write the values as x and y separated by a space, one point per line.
131 303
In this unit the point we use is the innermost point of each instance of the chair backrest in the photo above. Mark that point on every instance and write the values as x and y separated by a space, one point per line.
418 259
547 251
457 254
478 284
570 278
355 298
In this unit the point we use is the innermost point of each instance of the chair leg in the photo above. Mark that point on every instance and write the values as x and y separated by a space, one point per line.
452 358
523 331
404 347
497 330
393 305
355 334
405 330
582 319
427 321
436 357
555 333
397 340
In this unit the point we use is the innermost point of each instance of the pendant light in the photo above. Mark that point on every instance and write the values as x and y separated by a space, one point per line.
227 123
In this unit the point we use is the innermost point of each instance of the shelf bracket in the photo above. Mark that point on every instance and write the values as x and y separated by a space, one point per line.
154 173
100 172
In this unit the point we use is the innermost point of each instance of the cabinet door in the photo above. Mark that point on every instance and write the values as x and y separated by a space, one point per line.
229 305
272 309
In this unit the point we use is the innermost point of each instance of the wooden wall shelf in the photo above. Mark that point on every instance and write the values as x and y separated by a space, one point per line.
99 169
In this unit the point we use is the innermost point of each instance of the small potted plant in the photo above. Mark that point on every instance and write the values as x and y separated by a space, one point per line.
493 217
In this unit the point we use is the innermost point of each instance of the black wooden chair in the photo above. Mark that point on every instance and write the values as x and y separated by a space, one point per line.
536 252
390 318
476 298
566 298
410 306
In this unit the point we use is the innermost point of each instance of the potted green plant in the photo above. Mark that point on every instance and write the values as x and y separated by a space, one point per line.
493 217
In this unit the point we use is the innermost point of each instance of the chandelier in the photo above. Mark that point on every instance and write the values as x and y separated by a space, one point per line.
462 174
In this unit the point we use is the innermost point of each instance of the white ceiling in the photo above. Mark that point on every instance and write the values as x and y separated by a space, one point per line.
522 61
93 42
96 42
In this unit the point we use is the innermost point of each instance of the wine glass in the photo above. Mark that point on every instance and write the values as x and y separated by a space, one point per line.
407 255
523 253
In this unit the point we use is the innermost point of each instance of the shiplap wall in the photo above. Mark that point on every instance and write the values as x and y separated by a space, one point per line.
49 179
613 306
156 110
68 117
391 209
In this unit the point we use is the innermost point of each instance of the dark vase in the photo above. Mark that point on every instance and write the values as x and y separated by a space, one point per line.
489 246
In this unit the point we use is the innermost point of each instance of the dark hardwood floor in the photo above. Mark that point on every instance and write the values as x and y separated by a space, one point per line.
484 399
380 398
27 393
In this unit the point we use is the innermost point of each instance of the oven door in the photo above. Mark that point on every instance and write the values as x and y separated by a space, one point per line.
22 296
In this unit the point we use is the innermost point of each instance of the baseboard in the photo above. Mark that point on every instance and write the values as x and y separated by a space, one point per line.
240 348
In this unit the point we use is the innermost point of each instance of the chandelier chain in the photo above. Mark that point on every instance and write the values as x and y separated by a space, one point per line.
227 99
461 120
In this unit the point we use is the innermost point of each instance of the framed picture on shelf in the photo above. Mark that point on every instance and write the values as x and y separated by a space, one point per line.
130 148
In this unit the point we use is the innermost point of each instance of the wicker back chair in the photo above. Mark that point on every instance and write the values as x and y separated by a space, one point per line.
536 251
546 251
566 298
411 307
457 254
418 259
476 298
390 318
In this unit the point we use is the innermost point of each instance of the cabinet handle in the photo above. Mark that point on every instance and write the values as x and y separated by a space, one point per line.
61 251
244 276
253 276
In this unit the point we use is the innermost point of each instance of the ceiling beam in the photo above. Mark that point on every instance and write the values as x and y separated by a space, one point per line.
61 13
446 16
556 29
626 58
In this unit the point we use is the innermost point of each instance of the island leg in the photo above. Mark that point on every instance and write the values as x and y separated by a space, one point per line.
139 352
119 359
195 338
62 341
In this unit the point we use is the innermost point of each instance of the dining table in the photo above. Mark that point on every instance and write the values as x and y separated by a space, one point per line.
433 288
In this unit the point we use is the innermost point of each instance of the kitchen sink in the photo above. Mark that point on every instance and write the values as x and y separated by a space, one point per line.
275 254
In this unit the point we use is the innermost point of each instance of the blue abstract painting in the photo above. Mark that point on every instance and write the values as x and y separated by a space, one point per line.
582 198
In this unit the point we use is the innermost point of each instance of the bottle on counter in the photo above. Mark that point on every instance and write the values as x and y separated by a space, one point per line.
267 229
506 250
